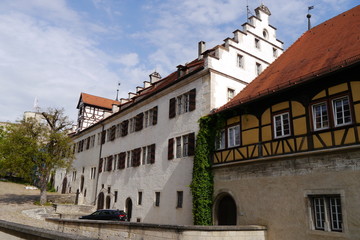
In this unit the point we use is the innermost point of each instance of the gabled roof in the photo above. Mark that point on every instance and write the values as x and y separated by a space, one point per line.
96 101
325 48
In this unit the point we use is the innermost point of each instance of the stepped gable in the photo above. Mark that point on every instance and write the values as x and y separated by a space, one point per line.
325 48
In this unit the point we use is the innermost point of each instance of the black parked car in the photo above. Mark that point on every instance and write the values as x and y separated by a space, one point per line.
106 214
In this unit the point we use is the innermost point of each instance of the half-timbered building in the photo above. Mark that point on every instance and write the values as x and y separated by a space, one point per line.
92 109
288 154
140 158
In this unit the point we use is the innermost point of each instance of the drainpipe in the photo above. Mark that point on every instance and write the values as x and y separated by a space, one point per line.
97 176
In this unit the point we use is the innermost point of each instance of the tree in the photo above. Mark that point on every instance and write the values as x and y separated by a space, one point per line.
34 147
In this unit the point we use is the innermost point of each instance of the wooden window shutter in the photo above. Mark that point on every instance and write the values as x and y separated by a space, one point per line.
112 133
136 157
192 100
100 165
191 150
124 128
139 121
155 114
103 137
88 143
171 149
109 163
152 155
172 108
121 163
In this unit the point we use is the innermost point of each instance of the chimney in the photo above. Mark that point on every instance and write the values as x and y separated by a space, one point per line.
201 49
154 77
131 94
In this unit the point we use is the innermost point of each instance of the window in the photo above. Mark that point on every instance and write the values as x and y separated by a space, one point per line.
121 160
140 198
230 94
185 151
320 116
132 123
240 61
93 173
281 125
180 195
115 196
92 141
178 147
150 117
257 43
326 213
157 199
109 163
234 136
265 34
118 130
184 146
342 114
129 163
74 176
275 52
182 104
220 143
258 68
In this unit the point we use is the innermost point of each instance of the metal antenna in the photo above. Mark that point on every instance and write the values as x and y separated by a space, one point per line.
117 92
309 16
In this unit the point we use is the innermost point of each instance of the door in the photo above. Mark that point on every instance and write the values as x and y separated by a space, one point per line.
128 208
64 183
100 203
226 213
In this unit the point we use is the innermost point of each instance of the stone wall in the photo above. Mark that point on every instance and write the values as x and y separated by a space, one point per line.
276 192
139 231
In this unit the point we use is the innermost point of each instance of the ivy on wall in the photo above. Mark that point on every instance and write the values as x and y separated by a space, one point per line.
202 184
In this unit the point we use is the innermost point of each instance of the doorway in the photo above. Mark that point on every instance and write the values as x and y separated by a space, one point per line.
100 202
64 183
128 208
226 211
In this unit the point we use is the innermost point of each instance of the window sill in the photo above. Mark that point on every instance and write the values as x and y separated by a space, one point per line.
327 233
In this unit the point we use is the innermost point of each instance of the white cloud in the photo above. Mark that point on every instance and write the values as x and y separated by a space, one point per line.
129 60
52 63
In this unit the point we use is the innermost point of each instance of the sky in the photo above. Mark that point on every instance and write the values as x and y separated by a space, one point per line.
52 50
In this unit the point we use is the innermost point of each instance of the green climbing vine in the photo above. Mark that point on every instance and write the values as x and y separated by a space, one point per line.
202 182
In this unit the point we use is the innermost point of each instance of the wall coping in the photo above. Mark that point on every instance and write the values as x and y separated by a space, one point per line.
19 229
163 226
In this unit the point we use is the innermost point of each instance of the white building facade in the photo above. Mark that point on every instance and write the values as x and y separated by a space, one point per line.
140 158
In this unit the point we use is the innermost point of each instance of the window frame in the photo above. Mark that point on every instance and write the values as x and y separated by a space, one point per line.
235 141
336 124
283 135
314 118
240 61
325 216
157 199
179 199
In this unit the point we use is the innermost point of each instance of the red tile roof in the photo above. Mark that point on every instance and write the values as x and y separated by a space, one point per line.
96 101
323 49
